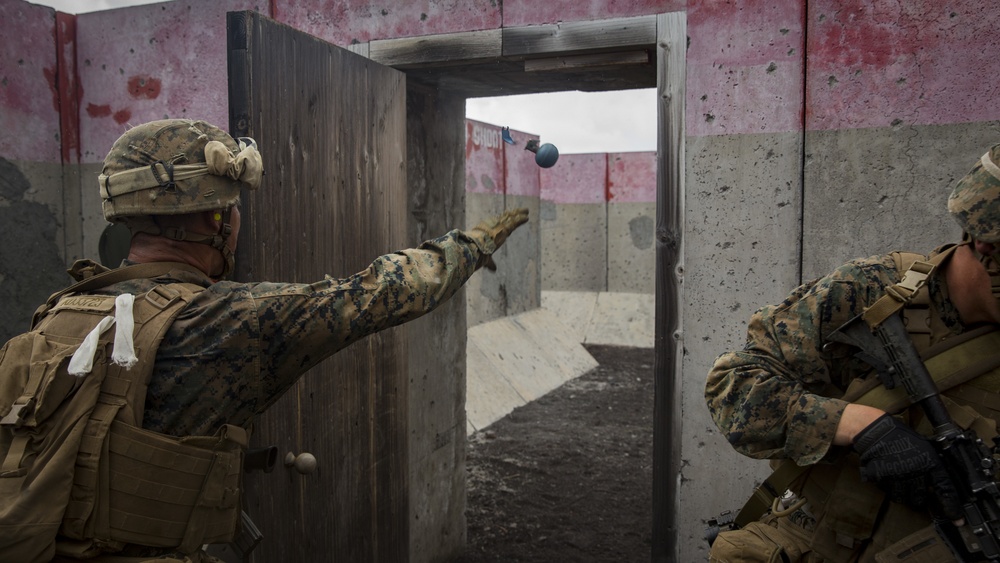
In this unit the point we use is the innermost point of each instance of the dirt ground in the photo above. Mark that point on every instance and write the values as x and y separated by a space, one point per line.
569 476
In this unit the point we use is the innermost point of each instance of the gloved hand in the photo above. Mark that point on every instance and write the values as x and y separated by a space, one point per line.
906 466
499 228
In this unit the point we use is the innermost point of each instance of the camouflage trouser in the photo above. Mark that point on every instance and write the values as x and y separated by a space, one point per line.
778 540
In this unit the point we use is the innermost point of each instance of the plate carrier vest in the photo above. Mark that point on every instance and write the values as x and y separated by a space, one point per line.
79 476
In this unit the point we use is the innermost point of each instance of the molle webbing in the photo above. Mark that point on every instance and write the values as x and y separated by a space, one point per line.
134 486
954 362
127 485
967 358
173 493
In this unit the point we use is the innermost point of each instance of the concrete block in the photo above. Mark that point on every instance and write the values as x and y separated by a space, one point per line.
556 343
517 359
574 246
623 319
929 78
167 60
614 319
519 263
574 224
498 177
632 222
575 309
490 395
871 191
740 253
484 293
631 247
29 116
758 89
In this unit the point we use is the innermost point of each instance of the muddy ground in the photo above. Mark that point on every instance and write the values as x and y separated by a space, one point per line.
569 476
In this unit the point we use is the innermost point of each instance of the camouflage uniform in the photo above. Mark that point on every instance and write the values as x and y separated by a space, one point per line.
779 398
260 337
229 353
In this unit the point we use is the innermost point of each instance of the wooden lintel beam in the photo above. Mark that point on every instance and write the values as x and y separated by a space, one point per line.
581 62
429 49
568 37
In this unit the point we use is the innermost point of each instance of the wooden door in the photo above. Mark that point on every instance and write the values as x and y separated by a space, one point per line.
331 128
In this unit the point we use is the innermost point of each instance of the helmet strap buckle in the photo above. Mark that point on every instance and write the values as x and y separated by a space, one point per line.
169 169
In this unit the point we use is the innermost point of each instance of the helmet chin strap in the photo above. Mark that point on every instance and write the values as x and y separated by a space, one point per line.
219 243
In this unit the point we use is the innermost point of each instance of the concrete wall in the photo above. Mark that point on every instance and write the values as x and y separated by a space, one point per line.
500 176
790 167
33 212
598 221
437 348
794 168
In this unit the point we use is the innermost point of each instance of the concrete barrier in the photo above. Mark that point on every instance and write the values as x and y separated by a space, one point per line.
515 360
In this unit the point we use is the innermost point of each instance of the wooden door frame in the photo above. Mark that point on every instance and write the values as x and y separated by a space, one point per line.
601 44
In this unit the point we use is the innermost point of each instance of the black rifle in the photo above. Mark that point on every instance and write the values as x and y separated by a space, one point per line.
970 462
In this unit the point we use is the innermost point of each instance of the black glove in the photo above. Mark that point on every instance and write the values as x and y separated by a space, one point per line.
906 466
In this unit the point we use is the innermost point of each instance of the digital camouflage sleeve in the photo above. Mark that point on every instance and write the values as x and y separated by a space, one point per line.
778 396
238 346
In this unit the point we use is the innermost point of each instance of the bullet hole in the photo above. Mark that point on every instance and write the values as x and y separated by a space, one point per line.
897 122
704 97
791 52
783 31
901 81
771 68
423 17
385 12
832 81
709 118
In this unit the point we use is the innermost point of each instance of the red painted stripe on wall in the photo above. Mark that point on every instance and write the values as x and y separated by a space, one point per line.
68 91
632 177
881 63
745 67
29 100
576 179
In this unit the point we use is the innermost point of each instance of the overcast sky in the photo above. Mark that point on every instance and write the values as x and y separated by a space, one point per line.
575 122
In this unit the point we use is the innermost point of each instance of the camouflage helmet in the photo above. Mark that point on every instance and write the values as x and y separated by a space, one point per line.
176 166
975 201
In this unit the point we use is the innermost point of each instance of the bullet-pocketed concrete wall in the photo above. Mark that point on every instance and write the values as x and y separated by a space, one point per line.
789 168
33 211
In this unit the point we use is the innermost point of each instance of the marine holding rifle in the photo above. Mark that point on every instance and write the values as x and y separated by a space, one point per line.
123 412
878 456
